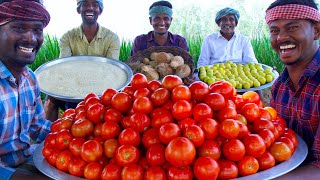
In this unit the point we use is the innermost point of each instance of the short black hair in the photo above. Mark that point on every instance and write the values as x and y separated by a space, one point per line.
309 3
161 3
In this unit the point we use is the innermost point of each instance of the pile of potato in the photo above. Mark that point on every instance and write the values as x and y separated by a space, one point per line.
160 64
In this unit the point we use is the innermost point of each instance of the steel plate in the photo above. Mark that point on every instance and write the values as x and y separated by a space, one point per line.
117 63
276 75
296 159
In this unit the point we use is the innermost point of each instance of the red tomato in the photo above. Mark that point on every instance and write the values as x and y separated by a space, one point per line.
63 139
142 105
155 155
132 172
291 135
216 101
127 154
111 171
129 136
69 112
261 124
210 148
228 169
238 101
224 88
110 130
210 128
63 159
129 90
227 113
251 112
150 137
280 151
91 151
160 116
93 170
195 134
112 115
180 152
47 151
155 173
80 107
229 128
184 123
180 173
121 102
138 81
153 85
76 167
82 128
91 101
66 123
233 149
244 131
264 114
95 113
171 81
109 147
248 165
202 111
55 126
52 158
160 96
242 119
288 141
80 115
107 96
142 92
139 121
266 161
169 131
272 111
206 168
181 92
181 109
199 91
76 145
89 95
267 137
254 145
251 97
50 140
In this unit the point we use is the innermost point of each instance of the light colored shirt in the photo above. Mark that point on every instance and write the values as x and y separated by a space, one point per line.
105 44
22 119
216 49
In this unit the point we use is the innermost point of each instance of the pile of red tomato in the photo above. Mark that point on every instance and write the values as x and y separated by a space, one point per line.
167 130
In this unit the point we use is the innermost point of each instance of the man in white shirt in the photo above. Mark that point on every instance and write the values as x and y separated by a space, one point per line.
226 45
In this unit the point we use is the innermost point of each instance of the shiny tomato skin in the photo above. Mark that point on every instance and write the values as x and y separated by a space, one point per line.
224 88
82 128
69 112
138 81
132 172
261 124
168 132
93 170
280 151
52 158
180 173
142 105
181 92
50 140
251 97
76 167
181 109
153 85
180 152
155 155
229 128
248 165
139 121
110 130
160 96
199 91
142 92
160 116
195 134
129 136
129 90
63 139
127 154
107 96
150 137
184 123
254 145
202 111
155 173
171 81
89 95
112 115
91 101
110 147
228 169
210 148
267 136
216 101
233 150
251 112
63 160
266 161
244 131
227 113
121 102
55 126
95 113
206 168
210 127
75 146
91 151
111 171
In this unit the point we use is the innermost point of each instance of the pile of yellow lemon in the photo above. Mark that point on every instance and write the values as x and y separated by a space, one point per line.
241 76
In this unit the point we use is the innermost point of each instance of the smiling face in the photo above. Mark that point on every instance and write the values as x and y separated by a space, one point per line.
227 24
89 11
160 23
20 41
294 40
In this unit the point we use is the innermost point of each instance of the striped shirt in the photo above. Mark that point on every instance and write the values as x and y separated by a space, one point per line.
301 108
145 41
22 118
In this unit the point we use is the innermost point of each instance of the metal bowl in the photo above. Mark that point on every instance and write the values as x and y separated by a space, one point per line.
117 63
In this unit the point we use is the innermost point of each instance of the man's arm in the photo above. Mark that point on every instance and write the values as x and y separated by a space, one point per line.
64 45
204 58
114 48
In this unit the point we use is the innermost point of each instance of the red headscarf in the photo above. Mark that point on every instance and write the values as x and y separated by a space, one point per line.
24 10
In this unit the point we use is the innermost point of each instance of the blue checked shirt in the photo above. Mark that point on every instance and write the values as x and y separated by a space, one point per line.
22 120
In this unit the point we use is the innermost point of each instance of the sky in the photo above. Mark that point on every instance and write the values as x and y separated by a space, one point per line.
127 18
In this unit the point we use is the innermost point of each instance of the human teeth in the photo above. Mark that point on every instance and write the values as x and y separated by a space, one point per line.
24 49
287 46
89 14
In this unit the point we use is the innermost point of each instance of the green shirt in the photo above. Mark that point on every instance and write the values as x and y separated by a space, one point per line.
105 43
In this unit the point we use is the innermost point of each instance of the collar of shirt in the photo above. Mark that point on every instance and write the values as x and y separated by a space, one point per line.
151 37
220 35
81 34
6 74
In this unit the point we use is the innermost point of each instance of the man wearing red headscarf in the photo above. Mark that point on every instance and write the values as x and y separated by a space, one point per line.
22 122
294 34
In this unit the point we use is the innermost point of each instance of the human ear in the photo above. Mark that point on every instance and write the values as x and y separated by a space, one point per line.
316 31
150 20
